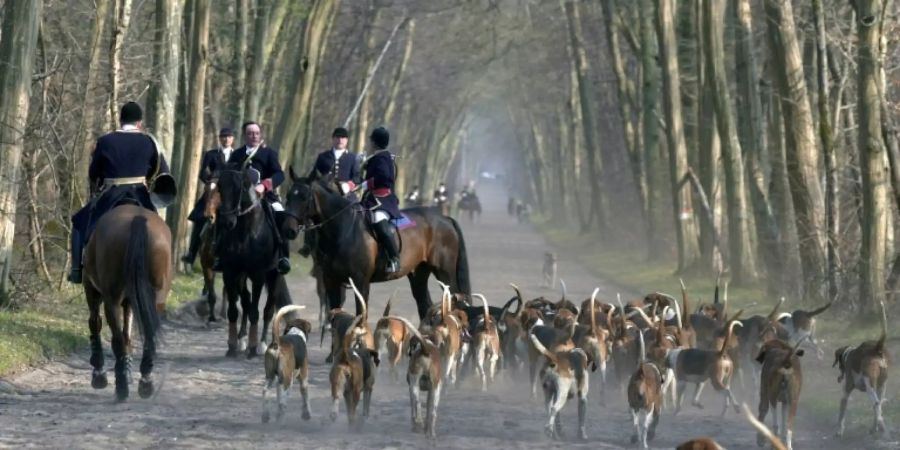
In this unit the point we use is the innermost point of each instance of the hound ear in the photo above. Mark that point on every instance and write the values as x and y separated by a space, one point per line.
800 352
837 356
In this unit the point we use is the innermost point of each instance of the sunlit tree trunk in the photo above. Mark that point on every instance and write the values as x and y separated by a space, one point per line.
164 84
18 39
649 102
121 21
257 61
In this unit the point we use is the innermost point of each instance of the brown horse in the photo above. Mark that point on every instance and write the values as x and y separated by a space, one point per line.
207 251
129 273
346 248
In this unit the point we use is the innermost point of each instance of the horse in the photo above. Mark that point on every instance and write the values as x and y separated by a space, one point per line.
347 249
207 251
128 272
248 252
470 205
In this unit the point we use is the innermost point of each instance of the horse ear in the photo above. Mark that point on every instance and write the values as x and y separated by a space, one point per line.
293 174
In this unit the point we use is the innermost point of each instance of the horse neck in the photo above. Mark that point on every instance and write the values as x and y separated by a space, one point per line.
338 217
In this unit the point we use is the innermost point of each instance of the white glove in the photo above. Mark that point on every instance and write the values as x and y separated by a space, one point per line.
364 185
345 188
259 188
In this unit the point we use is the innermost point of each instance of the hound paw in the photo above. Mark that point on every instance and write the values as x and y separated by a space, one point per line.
333 416
306 415
634 438
265 417
698 405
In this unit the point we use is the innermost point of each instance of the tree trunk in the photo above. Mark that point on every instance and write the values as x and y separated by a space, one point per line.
194 145
121 20
752 138
361 132
650 100
708 159
741 262
396 80
253 89
875 211
239 64
627 95
826 136
591 132
293 124
682 209
800 139
164 84
18 39
88 117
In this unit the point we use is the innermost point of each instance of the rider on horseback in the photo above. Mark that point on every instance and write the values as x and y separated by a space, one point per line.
379 198
213 160
121 164
263 163
340 163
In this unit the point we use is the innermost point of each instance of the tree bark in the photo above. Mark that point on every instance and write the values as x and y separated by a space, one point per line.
194 145
710 149
164 84
121 21
826 136
741 261
682 209
18 40
253 89
239 63
875 211
293 124
801 149
397 79
591 132
753 138
650 101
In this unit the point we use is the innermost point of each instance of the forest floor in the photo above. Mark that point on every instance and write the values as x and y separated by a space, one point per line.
206 400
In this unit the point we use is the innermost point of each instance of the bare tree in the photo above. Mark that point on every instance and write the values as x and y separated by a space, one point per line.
121 21
164 86
21 21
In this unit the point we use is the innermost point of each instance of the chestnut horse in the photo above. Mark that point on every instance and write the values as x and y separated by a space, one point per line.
346 248
129 273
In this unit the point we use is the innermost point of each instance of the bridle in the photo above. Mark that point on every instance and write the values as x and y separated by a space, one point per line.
305 225
237 209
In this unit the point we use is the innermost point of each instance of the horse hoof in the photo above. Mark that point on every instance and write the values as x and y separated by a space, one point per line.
232 352
265 417
252 352
99 381
121 394
145 388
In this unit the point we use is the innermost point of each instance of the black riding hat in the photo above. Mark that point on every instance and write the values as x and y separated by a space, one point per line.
340 132
380 137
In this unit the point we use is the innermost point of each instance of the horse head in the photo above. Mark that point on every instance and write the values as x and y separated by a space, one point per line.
236 195
308 201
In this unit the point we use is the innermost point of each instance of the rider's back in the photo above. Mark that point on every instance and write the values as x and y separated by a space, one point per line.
121 154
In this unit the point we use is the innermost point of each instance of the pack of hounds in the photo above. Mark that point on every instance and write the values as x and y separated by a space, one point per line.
654 350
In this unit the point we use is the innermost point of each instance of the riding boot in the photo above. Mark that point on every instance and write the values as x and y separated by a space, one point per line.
77 247
281 244
383 234
193 244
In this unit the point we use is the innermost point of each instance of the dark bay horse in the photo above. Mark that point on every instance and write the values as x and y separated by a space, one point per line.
207 251
129 273
248 253
346 248
470 205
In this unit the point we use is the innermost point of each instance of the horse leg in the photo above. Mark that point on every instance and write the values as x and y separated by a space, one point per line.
333 291
145 386
245 309
210 290
253 315
112 310
418 282
95 324
272 292
231 297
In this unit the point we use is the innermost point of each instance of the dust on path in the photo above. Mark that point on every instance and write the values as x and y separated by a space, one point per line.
207 401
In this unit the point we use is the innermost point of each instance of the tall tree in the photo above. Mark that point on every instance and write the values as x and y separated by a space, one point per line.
708 158
293 123
18 39
591 131
164 85
739 252
121 21
876 211
194 146
752 138
253 90
800 139
685 227
238 63
650 100
397 78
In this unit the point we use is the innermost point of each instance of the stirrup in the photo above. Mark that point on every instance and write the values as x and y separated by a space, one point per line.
393 266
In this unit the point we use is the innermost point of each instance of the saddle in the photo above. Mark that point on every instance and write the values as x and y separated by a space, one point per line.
397 225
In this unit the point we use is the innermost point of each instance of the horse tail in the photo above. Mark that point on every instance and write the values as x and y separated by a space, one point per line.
138 290
462 261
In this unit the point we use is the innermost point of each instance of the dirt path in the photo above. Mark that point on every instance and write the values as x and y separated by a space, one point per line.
208 401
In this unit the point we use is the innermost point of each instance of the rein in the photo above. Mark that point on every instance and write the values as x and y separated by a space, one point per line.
322 223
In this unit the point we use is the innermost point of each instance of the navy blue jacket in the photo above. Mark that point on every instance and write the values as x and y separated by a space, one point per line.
213 161
265 160
119 155
346 168
380 175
